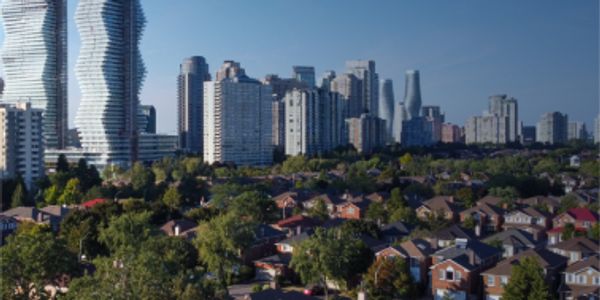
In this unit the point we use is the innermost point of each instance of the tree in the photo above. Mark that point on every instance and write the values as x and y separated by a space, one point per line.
405 160
31 259
527 282
567 202
62 165
376 212
469 223
319 210
389 278
19 196
126 233
568 232
508 194
294 164
172 198
141 177
72 192
594 232
330 256
220 242
465 195
254 206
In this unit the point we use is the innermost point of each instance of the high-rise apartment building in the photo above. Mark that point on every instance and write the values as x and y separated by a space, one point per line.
331 119
386 105
451 133
305 74
365 71
527 135
280 86
34 56
486 129
22 150
303 126
237 118
193 72
434 119
110 71
366 133
577 131
504 106
412 94
349 88
148 113
1 87
400 115
552 128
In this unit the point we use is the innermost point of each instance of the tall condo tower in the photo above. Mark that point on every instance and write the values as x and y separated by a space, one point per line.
386 105
34 55
305 74
110 71
412 94
364 70
193 73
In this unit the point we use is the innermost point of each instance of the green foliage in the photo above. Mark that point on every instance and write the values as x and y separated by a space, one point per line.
295 164
527 282
546 165
141 177
567 202
319 210
389 279
568 232
72 193
465 195
356 228
172 198
420 190
219 244
80 229
32 258
62 165
254 206
508 194
126 233
376 212
330 256
19 196
594 232
469 223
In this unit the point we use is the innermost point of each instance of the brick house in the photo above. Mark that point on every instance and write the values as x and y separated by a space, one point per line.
496 278
435 206
456 270
513 241
550 204
353 210
581 280
264 243
445 237
528 219
416 252
296 224
576 249
581 217
331 202
488 217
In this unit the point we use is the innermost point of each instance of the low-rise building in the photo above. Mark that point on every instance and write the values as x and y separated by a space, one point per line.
581 280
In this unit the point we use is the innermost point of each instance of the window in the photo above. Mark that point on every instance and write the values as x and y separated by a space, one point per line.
414 263
504 280
441 274
458 275
490 280
570 278
449 275
574 256
596 280
581 279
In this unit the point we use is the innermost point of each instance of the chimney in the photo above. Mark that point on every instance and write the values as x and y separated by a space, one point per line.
478 230
176 230
298 230
471 255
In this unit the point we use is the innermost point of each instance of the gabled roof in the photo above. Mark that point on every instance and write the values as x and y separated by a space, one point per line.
466 248
445 203
297 220
264 231
282 259
396 229
56 210
453 232
22 212
396 249
588 262
372 243
580 244
532 211
417 248
296 239
485 208
514 237
493 200
540 200
547 260
583 214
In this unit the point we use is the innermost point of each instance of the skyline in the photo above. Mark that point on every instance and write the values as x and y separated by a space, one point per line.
483 55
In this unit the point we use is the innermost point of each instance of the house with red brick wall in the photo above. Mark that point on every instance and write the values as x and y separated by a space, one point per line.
496 278
487 216
456 270
581 280
581 217
435 206
416 252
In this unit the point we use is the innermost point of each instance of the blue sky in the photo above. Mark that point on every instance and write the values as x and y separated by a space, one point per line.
543 52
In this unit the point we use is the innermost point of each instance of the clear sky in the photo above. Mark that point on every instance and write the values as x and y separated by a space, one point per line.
542 52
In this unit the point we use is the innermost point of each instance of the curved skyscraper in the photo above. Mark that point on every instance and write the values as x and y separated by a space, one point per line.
386 104
412 94
193 74
34 55
110 73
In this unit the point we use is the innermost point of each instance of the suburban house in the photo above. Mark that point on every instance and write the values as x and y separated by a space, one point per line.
289 200
181 228
264 243
270 267
331 201
581 217
496 278
456 270
549 204
576 249
51 216
528 219
7 226
513 241
492 200
353 209
581 280
488 218
439 205
287 245
296 224
446 236
416 252
395 231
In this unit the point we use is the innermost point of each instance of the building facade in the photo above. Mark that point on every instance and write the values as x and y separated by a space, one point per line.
280 86
148 113
486 129
365 71
349 88
237 118
190 93
527 135
412 94
552 128
110 72
305 74
22 151
302 132
386 105
34 56
366 133
435 118
577 131
504 106
451 133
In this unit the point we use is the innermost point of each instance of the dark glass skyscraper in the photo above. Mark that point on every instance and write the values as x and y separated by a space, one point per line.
193 73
